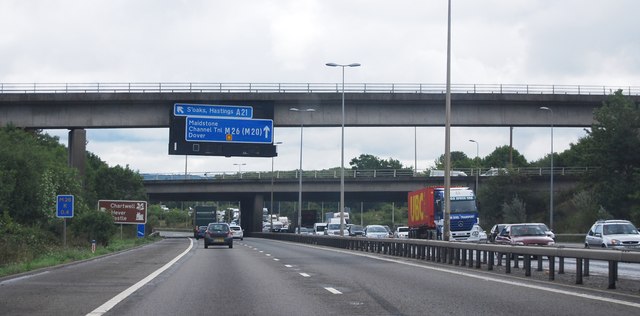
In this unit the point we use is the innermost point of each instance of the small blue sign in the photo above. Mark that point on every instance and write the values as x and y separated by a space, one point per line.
206 110
140 230
64 206
202 129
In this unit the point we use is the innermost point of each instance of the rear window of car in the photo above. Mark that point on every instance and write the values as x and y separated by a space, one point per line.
403 229
235 227
218 227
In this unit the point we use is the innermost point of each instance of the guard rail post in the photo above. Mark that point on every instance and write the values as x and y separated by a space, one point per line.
578 270
490 261
526 265
539 263
613 274
507 263
586 267
470 258
561 265
552 267
478 256
450 254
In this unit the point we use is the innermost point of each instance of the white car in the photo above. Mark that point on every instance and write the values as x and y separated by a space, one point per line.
614 234
237 231
401 232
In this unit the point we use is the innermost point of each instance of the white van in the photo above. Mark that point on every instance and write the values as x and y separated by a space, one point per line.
319 228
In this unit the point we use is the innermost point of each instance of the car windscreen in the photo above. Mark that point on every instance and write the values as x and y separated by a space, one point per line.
619 229
527 230
376 230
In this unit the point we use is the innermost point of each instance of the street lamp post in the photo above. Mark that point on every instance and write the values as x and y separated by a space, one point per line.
240 167
477 159
271 200
300 175
342 147
551 171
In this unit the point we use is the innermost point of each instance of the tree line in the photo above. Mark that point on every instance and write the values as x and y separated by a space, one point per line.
33 171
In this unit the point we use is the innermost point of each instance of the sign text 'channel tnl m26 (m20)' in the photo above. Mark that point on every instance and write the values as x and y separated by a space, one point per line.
202 129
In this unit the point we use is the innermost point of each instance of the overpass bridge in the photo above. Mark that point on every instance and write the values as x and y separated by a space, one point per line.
142 105
77 106
253 189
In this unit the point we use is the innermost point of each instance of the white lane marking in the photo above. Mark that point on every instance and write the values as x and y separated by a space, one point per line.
268 255
288 266
305 275
276 259
124 294
486 278
23 277
332 290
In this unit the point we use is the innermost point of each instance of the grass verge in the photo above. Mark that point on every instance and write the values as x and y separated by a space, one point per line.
59 255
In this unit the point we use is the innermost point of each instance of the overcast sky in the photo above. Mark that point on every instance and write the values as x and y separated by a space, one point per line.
580 42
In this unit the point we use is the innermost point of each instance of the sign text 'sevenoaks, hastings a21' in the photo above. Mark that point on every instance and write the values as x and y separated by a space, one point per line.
207 110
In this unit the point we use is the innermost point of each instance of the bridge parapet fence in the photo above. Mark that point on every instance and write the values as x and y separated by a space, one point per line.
358 173
232 87
477 255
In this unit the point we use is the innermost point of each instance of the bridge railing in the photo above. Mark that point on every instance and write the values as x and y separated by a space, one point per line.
203 87
358 173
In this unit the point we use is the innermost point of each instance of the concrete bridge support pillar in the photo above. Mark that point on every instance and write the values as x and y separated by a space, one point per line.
77 150
251 212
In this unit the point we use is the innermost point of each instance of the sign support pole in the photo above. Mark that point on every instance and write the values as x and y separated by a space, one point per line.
64 232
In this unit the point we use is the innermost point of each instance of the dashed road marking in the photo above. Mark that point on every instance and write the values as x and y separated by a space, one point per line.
305 275
332 290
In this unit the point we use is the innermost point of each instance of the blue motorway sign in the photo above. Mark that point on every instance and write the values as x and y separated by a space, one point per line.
140 230
64 206
204 129
206 110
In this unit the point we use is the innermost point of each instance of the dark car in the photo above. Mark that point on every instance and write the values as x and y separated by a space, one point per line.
356 230
495 231
200 232
218 234
524 235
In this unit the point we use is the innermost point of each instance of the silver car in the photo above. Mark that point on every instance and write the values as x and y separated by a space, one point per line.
376 231
614 234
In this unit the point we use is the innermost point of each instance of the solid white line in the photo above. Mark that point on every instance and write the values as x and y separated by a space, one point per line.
124 294
23 278
305 275
332 290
